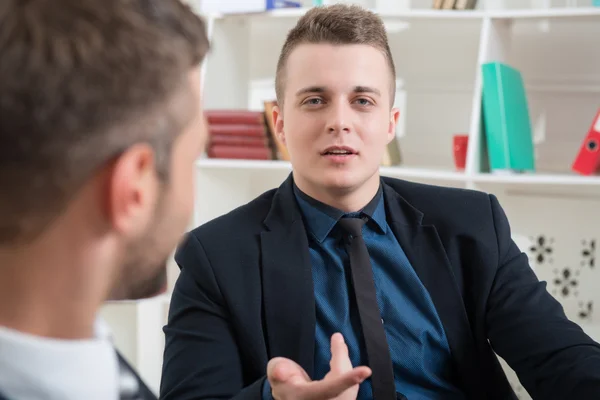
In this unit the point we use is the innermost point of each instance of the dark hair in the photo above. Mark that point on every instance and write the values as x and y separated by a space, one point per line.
80 82
337 24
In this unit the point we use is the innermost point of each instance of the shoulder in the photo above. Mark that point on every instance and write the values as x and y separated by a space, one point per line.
434 196
471 225
445 206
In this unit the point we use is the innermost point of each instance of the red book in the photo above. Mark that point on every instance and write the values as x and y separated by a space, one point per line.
239 152
237 130
230 140
234 116
587 161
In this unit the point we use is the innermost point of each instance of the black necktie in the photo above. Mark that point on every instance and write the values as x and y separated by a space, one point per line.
131 386
378 353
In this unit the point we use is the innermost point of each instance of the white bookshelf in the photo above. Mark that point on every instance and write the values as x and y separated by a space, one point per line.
437 54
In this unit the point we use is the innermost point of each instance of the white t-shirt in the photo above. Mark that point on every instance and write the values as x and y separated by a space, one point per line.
36 368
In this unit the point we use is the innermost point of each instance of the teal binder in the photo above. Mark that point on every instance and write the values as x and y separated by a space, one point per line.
506 121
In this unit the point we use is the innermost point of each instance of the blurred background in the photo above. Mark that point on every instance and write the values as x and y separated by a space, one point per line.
501 96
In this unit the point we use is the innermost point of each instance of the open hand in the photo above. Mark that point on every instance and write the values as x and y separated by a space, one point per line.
289 381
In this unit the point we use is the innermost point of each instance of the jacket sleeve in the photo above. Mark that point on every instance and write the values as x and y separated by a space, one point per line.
201 358
527 327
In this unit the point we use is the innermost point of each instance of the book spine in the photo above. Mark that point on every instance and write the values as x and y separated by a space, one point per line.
231 140
232 117
448 4
237 130
239 152
437 4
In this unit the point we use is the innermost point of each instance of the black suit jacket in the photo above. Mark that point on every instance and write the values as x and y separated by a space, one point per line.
245 295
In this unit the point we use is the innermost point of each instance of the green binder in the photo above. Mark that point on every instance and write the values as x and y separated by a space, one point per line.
506 121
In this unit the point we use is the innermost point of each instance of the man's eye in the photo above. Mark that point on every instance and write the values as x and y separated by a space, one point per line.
313 101
364 102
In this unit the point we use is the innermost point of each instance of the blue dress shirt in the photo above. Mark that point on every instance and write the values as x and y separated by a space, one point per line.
418 345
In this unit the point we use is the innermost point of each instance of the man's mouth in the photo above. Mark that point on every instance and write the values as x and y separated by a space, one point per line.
338 151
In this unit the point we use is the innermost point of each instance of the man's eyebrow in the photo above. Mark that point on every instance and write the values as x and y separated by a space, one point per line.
366 89
311 89
323 89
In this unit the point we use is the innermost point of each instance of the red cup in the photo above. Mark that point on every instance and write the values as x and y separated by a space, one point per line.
460 144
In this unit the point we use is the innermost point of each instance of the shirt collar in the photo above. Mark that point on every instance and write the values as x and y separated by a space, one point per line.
36 367
320 218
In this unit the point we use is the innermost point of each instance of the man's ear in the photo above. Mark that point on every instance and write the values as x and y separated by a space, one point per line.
132 190
278 123
394 115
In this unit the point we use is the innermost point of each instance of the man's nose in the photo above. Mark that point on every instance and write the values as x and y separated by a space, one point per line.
339 118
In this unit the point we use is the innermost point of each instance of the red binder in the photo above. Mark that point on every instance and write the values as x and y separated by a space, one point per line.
587 161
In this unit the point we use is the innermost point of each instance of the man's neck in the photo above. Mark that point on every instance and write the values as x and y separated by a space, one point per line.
46 291
347 200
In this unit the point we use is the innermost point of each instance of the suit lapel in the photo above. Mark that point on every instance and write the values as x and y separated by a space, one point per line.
287 282
428 258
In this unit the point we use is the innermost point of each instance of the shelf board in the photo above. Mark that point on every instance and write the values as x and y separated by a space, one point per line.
274 165
538 179
224 164
408 14
542 13
532 179
549 13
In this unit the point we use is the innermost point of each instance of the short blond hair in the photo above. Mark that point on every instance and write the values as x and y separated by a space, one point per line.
338 24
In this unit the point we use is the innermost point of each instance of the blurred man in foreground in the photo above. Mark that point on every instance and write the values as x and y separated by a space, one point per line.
100 124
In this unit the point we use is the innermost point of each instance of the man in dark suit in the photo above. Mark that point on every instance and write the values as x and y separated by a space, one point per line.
424 283
100 126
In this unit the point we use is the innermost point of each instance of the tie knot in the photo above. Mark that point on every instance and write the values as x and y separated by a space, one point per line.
352 226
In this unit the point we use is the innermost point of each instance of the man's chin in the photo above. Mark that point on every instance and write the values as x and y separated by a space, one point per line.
341 180
158 287
161 290
139 289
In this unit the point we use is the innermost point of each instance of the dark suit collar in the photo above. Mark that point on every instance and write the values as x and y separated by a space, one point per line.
284 211
320 218
398 209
